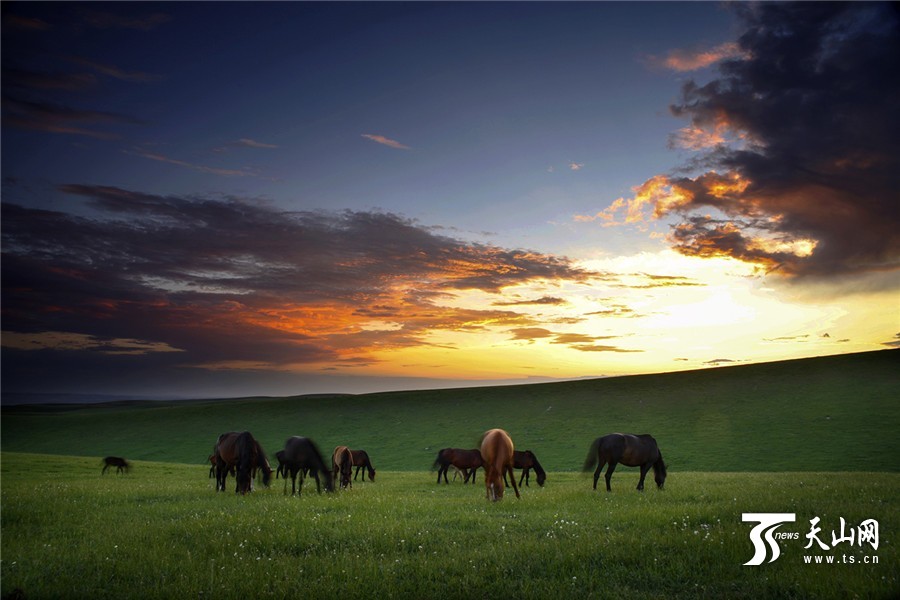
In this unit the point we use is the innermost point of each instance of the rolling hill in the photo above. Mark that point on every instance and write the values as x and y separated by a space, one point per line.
837 413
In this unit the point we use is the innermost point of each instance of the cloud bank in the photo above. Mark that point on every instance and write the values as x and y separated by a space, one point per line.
229 283
798 142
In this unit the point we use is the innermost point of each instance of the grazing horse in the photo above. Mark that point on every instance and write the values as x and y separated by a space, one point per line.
301 455
360 461
497 450
121 465
630 450
262 463
241 454
342 465
212 466
459 458
282 466
528 461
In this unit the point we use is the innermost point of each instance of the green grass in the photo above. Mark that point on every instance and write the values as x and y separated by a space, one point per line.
835 413
817 437
163 532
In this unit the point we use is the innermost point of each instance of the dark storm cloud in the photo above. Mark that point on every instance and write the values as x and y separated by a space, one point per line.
798 145
814 94
234 283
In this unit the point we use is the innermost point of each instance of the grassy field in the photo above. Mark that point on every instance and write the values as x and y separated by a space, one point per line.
826 414
815 437
163 532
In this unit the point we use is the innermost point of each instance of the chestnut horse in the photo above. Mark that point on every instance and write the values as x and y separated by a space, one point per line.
301 455
342 465
241 454
360 461
497 451
459 458
630 450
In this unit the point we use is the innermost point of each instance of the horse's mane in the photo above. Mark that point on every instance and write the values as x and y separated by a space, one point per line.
263 463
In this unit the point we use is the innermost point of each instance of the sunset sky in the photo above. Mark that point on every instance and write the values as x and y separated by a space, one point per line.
227 199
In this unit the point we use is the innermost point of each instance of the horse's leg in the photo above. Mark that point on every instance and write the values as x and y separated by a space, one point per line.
512 476
644 468
600 465
524 476
609 472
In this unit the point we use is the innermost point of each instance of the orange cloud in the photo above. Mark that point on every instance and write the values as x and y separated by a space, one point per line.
385 141
682 60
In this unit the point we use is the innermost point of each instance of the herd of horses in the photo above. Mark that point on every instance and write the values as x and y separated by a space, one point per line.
239 454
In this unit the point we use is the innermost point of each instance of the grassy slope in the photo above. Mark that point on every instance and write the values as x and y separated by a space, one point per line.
825 414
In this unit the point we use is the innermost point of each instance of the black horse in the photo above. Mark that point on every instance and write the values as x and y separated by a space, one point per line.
241 454
527 461
461 459
121 465
281 469
301 455
361 461
630 450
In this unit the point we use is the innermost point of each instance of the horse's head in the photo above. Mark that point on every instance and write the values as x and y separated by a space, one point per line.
372 475
659 472
243 482
496 490
541 478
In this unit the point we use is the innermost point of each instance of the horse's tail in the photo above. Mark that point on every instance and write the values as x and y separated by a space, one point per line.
437 461
592 457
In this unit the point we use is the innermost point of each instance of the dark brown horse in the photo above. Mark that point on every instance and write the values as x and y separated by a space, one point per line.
497 450
527 461
342 466
459 458
121 465
361 461
242 455
302 456
630 450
